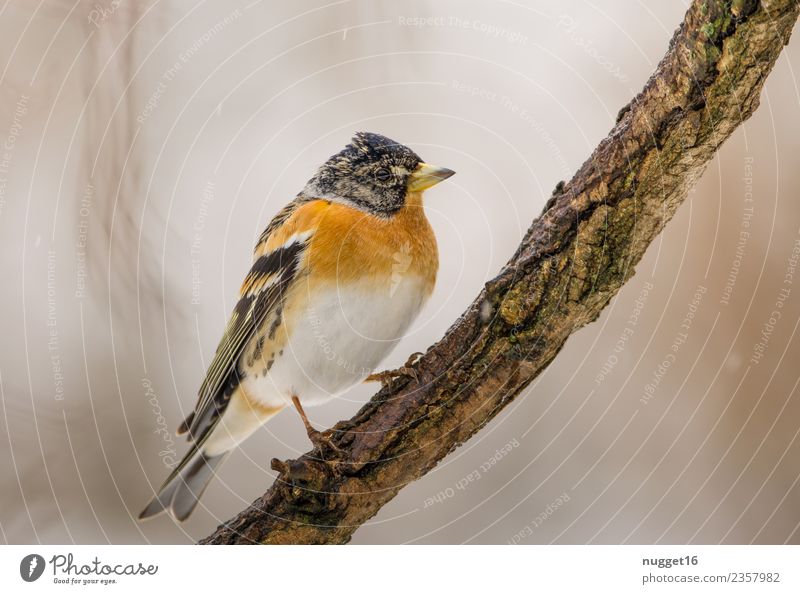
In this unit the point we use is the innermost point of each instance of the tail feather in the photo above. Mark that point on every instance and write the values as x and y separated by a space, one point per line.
160 502
198 474
213 435
187 422
180 494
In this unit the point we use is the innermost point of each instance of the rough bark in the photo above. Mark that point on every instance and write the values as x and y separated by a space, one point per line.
571 262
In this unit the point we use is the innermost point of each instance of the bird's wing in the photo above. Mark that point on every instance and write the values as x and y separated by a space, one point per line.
275 266
273 270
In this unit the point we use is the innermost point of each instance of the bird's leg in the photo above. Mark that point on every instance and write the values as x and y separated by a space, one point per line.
385 377
318 438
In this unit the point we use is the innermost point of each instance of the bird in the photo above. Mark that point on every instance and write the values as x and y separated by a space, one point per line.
337 277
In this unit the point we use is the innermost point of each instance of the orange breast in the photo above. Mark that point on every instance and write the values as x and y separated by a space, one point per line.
349 244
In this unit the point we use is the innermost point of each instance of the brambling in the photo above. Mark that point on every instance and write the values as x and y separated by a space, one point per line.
337 277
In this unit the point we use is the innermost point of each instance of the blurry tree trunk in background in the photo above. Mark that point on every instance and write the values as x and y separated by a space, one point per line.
572 261
112 180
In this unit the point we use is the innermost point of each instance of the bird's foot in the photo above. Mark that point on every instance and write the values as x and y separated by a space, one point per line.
323 440
319 439
386 377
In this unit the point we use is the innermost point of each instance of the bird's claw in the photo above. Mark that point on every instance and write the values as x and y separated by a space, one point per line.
319 439
322 440
407 370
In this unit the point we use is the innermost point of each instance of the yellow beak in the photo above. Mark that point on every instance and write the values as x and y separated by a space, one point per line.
426 176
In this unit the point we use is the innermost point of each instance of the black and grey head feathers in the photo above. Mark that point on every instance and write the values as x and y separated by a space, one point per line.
370 173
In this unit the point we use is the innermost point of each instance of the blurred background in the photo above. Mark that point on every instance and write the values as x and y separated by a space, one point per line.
145 145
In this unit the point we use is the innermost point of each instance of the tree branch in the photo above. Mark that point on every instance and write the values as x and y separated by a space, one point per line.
571 262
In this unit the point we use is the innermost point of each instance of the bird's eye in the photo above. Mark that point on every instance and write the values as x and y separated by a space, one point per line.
383 175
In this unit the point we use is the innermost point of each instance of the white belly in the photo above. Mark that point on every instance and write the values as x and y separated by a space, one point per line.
337 341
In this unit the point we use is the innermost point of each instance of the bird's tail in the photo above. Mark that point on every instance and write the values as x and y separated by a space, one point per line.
210 446
182 490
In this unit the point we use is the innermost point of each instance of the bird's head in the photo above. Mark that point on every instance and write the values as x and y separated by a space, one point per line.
374 174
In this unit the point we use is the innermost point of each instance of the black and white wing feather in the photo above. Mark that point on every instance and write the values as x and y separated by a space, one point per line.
262 291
